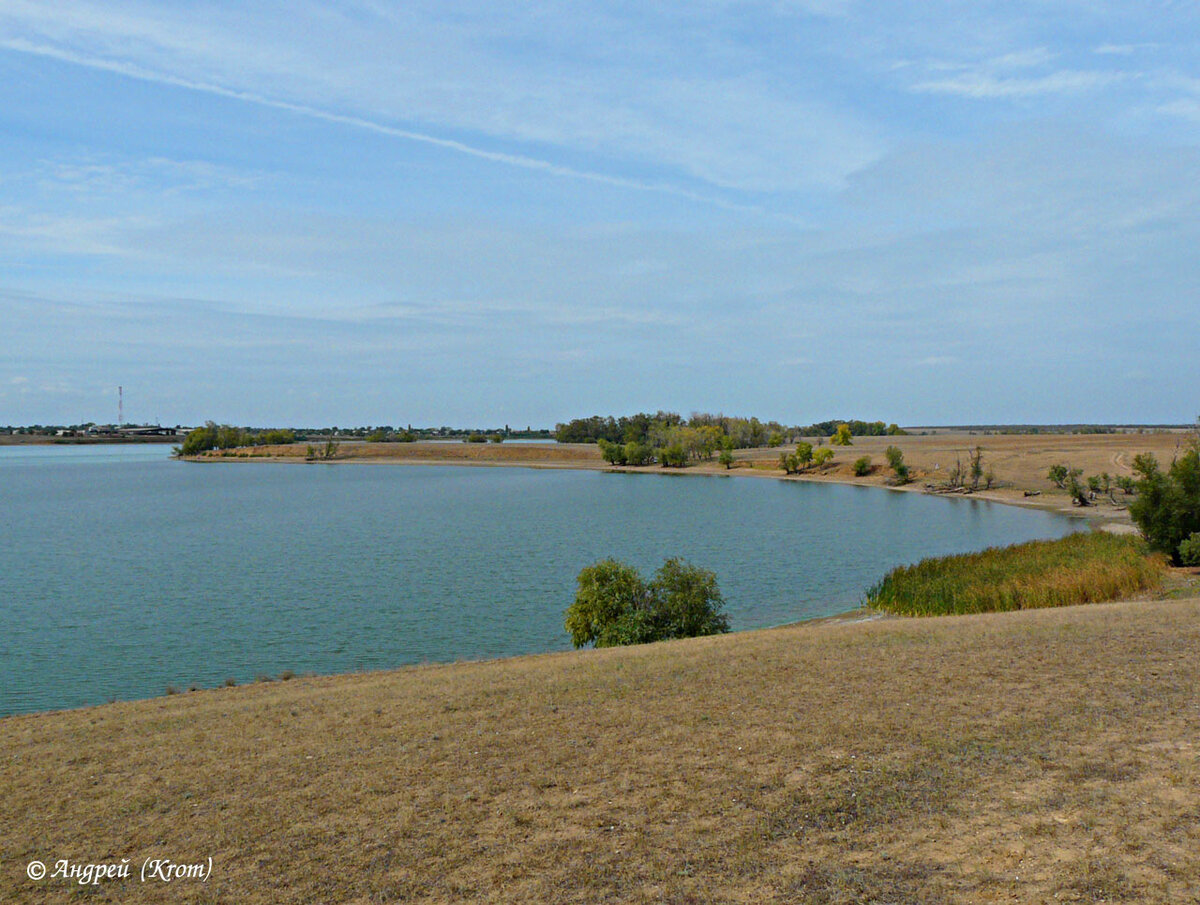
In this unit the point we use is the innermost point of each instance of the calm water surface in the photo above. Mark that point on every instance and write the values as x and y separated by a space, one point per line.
124 572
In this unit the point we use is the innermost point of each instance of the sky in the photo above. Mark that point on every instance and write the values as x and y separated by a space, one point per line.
360 212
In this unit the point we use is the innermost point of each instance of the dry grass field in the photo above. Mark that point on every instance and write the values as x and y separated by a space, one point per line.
1037 756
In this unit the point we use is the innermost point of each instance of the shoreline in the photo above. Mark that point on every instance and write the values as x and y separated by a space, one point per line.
1099 516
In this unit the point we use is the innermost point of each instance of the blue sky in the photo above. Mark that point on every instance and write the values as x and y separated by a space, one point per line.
478 213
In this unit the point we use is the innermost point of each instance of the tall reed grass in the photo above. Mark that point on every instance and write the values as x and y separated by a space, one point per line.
1079 568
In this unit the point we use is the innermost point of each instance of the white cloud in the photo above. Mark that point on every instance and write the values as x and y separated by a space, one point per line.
615 88
988 85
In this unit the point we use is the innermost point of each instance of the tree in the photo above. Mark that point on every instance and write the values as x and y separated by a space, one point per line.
638 453
804 454
1189 550
611 606
726 458
862 466
200 440
1167 505
896 460
673 456
614 606
686 601
613 453
822 456
842 437
976 467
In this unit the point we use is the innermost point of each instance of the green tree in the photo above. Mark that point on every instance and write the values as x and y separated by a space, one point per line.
1189 550
200 440
775 440
822 456
862 466
673 456
611 606
726 458
686 601
638 453
804 454
613 453
614 606
842 437
1167 505
976 467
896 460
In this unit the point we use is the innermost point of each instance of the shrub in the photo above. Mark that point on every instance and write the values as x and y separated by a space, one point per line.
496 438
1189 550
475 438
822 456
862 466
614 606
1167 506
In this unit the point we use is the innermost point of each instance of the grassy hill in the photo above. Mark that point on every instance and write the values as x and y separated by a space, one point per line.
1008 757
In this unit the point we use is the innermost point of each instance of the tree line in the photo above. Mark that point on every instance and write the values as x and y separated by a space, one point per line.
701 436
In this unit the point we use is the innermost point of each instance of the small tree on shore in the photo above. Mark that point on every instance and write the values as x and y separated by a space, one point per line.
1167 505
896 460
615 606
843 437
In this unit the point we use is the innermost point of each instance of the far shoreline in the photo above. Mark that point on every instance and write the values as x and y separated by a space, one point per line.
1022 490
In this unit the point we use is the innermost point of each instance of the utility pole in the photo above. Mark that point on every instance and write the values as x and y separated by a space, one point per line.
120 407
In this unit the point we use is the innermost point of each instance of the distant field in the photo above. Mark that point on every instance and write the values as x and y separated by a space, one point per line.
1036 756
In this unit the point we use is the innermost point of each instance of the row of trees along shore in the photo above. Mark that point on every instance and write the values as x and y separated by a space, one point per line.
673 441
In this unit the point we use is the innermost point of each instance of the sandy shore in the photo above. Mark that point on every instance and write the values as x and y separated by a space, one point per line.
1020 462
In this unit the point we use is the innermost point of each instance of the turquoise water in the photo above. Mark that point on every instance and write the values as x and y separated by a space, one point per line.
124 572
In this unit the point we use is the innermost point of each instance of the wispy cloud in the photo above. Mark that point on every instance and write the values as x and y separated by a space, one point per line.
989 85
630 95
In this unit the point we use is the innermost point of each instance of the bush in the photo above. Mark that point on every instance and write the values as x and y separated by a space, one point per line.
613 453
1189 550
862 466
475 438
614 606
1167 505
822 456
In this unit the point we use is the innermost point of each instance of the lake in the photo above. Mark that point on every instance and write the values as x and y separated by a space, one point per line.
124 571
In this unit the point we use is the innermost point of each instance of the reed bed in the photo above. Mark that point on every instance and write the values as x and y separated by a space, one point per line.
1080 568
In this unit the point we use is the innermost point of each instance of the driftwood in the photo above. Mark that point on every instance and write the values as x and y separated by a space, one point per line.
1033 493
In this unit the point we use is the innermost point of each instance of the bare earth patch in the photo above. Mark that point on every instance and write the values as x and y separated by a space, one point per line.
1033 756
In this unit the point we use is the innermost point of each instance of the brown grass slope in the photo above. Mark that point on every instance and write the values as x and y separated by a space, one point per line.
1019 757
